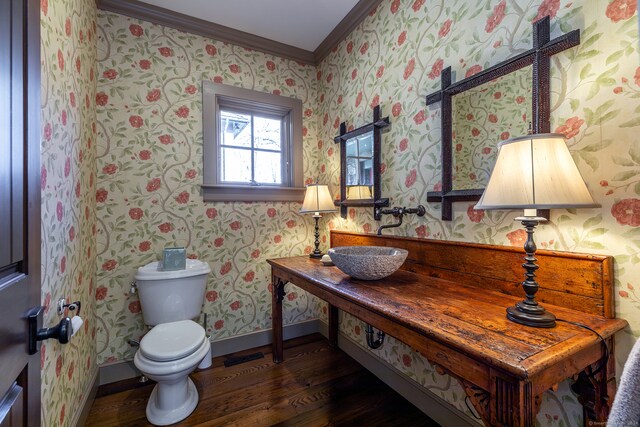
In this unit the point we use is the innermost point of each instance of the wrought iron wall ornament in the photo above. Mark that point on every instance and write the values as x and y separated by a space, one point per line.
376 200
540 57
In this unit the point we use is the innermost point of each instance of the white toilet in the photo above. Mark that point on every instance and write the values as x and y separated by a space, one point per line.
176 344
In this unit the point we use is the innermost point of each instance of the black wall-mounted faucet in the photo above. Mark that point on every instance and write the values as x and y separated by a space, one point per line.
398 212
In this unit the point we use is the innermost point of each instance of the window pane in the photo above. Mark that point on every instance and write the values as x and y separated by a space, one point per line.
352 147
235 129
268 167
365 172
235 165
352 171
366 146
267 133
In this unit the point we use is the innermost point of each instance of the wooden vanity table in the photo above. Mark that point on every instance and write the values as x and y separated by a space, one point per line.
434 305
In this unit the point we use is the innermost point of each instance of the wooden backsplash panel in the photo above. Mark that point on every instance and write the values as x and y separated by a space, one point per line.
578 281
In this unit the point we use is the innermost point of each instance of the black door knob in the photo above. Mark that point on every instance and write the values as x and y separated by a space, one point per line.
62 332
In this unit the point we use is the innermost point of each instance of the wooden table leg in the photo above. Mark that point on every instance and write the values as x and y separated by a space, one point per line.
333 326
277 295
512 402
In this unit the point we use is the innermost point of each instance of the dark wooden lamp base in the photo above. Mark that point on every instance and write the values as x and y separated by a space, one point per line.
529 312
522 315
316 252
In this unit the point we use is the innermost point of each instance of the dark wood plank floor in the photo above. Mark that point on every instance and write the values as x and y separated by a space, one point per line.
315 386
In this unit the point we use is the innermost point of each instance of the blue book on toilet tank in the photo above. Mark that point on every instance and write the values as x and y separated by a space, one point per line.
174 259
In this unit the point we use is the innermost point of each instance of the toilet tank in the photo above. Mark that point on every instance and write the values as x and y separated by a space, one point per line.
168 296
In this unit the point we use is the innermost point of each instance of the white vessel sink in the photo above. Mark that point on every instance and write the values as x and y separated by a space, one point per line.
367 262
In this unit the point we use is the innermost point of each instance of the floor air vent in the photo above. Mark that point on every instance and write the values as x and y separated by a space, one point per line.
242 359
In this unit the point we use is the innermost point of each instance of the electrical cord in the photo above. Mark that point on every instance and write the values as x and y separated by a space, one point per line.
605 360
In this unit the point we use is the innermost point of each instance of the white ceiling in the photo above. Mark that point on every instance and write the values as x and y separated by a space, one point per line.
300 23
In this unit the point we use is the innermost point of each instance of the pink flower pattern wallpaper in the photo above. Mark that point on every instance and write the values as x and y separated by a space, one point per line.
122 165
149 164
68 147
394 59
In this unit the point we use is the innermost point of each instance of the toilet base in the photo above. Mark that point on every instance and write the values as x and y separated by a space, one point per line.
163 417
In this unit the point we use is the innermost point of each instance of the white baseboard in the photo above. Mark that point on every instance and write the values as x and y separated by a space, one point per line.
437 409
80 417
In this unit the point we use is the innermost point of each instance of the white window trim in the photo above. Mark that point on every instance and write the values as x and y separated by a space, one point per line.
212 189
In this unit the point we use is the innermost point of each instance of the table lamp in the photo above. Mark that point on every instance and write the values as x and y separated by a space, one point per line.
359 192
317 199
534 172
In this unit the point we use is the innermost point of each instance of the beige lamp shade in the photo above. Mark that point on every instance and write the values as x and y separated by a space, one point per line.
358 192
535 172
317 199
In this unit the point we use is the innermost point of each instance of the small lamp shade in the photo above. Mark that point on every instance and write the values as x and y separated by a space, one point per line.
317 199
358 192
535 172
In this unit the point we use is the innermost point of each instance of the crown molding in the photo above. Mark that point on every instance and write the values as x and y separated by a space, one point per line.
190 24
169 18
344 28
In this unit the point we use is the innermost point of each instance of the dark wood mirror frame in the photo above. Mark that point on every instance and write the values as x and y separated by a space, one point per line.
376 127
540 57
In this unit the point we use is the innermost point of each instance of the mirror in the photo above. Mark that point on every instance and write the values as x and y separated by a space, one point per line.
360 164
482 116
359 158
470 106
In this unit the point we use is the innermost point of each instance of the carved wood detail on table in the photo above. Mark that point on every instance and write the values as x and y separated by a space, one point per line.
278 289
434 305
595 387
479 398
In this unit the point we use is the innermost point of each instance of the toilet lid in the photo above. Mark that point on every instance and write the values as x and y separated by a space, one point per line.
171 341
154 271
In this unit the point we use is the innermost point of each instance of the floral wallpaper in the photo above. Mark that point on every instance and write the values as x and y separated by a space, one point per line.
394 59
149 165
68 58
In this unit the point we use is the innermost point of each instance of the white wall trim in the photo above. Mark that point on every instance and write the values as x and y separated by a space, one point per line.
425 400
81 415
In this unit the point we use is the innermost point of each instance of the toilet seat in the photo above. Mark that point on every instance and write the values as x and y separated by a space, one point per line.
172 341
188 363
175 396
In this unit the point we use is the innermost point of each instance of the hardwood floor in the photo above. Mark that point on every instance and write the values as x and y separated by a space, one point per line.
315 386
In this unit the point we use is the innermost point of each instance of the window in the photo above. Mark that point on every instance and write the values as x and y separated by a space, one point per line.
251 149
252 145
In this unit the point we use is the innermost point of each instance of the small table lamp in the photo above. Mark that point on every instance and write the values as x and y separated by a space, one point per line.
534 172
317 199
359 192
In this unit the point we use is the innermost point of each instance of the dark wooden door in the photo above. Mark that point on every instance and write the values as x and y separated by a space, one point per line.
19 208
